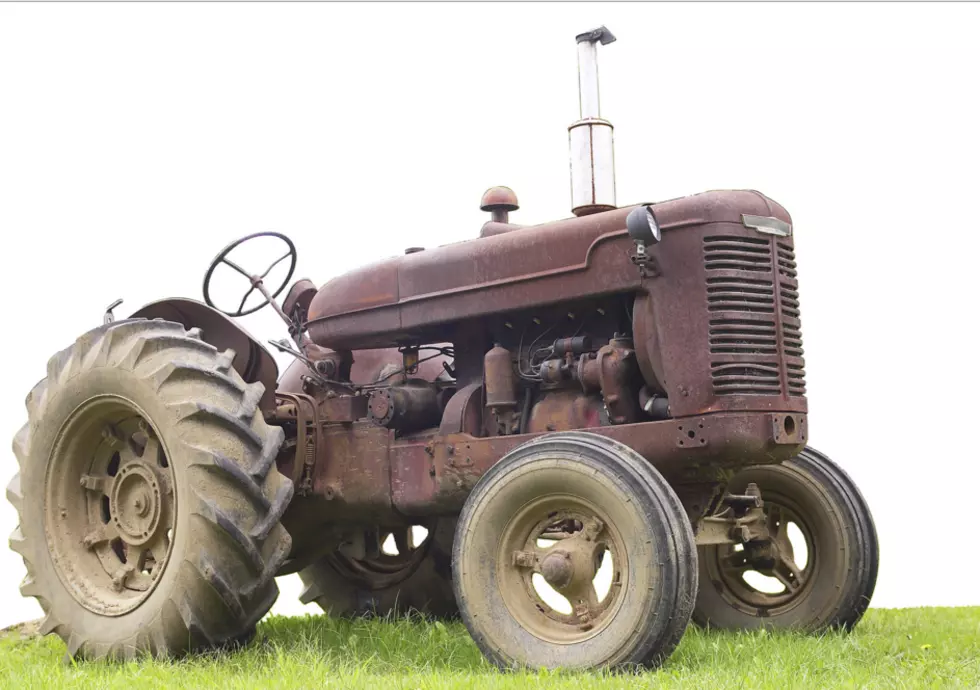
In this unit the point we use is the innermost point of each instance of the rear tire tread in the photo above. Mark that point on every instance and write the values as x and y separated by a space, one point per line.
245 594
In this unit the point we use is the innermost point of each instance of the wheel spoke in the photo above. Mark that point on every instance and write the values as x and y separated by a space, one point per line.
129 451
585 603
786 571
98 484
735 562
775 521
592 529
276 263
237 267
158 548
530 559
121 576
167 492
139 581
100 535
152 450
404 541
241 307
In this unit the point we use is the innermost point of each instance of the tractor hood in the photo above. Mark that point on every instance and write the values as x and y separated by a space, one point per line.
405 299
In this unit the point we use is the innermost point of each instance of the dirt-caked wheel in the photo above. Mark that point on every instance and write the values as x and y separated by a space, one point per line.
541 524
825 580
148 497
415 576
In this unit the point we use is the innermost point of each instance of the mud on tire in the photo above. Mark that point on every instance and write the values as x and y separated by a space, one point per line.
582 488
838 578
211 577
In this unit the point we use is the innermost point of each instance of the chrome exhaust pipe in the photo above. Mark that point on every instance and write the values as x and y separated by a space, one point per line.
590 138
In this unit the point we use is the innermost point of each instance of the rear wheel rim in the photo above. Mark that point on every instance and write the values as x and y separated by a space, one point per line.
387 570
727 566
110 505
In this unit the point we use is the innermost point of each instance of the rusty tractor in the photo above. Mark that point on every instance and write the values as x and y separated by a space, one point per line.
577 436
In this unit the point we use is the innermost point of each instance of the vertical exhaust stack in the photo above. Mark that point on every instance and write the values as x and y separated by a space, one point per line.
590 139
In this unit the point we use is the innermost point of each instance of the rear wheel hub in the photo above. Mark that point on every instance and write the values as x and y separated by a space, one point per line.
110 505
135 503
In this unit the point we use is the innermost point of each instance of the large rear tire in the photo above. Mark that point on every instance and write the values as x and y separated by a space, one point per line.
830 589
148 496
556 510
416 580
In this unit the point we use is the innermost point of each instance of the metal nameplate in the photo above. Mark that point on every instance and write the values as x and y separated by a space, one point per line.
768 225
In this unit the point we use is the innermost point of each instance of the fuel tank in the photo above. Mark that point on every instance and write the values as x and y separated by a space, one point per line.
411 298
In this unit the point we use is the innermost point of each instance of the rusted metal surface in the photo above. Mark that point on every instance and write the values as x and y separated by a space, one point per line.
252 361
410 407
697 300
615 373
568 259
453 295
491 228
343 408
297 301
499 201
464 412
742 520
518 288
500 388
720 329
300 411
434 475
564 410
352 471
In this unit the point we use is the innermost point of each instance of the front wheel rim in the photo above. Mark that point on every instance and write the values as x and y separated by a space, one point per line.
581 536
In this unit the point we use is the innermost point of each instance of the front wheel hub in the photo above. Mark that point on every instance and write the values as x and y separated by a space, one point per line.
557 570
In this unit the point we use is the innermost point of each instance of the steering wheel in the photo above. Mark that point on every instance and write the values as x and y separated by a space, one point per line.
255 280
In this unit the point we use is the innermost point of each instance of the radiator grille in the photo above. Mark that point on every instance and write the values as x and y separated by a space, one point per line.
754 326
789 311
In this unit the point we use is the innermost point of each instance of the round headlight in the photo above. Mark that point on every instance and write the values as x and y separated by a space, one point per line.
642 225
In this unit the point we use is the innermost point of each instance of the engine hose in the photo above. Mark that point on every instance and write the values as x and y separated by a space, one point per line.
526 412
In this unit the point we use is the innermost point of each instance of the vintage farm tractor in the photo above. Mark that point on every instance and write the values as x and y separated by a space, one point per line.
576 435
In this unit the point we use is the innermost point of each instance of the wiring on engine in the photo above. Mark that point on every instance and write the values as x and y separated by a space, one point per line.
440 351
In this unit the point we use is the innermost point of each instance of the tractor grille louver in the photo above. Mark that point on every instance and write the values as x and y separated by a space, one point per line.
754 317
789 311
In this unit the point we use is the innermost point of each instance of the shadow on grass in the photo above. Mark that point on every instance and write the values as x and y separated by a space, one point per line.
935 644
385 645
374 644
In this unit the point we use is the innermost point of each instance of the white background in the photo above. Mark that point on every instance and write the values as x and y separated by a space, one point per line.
136 140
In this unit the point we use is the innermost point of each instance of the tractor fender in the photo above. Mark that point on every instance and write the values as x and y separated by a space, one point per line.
252 361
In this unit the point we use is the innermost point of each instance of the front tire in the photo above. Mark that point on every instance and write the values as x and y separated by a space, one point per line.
831 589
555 510
148 496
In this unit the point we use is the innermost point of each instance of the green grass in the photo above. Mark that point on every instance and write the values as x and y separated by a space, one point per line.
908 648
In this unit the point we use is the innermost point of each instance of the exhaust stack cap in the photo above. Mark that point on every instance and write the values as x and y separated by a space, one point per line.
602 34
590 139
